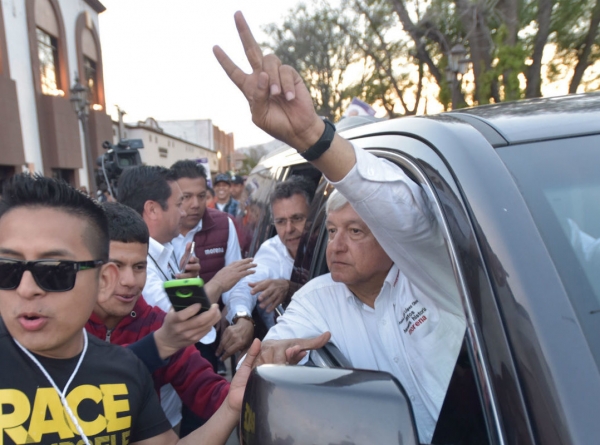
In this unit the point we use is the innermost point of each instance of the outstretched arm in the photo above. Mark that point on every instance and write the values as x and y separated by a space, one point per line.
218 428
281 104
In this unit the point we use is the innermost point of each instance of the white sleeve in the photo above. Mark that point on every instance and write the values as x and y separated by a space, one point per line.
233 253
154 293
239 297
300 320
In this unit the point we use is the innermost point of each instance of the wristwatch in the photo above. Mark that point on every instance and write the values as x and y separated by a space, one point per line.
242 314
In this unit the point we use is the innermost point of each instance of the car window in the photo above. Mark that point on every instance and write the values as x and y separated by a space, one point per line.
256 220
560 183
310 259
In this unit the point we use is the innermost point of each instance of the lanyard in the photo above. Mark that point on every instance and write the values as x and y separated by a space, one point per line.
162 271
62 394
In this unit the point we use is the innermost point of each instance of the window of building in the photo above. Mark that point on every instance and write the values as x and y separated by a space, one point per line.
67 175
89 67
6 171
163 152
48 55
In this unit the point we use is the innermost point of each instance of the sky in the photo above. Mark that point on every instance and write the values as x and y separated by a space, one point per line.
158 61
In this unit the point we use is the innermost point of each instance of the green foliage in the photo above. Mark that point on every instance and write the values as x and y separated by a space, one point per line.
509 62
366 37
253 155
311 41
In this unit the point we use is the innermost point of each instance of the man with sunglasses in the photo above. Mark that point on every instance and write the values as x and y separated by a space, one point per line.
271 284
56 383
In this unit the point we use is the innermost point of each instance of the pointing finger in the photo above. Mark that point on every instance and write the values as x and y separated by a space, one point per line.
316 342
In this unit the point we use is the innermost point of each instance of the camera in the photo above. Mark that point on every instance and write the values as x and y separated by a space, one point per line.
118 157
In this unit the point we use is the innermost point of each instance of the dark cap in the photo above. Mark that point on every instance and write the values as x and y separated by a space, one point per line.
222 177
237 179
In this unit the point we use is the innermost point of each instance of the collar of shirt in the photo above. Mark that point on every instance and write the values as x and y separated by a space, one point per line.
163 254
278 244
391 281
180 241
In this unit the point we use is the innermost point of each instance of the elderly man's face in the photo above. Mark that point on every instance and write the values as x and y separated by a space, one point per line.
354 256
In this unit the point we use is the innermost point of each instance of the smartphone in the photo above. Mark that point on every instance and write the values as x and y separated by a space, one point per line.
185 292
186 257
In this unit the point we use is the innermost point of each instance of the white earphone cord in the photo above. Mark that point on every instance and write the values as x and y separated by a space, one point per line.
62 394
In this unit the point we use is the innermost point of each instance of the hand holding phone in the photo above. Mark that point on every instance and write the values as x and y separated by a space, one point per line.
186 256
185 292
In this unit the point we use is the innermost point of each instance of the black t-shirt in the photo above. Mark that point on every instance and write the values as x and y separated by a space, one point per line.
112 395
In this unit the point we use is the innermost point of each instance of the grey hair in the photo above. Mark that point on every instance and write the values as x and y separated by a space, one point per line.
335 202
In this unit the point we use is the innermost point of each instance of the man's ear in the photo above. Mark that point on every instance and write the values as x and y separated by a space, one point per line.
109 277
151 210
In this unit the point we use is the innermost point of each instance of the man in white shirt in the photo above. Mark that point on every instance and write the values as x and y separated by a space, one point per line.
275 257
390 302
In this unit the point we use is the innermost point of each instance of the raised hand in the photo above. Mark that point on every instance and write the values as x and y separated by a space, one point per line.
227 277
279 100
272 292
192 269
235 338
238 383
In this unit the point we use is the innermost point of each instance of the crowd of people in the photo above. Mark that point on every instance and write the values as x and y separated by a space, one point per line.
77 275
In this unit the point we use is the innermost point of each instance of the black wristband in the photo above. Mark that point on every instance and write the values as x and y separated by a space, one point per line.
322 144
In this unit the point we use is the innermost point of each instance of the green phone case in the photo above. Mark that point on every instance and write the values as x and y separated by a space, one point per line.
185 292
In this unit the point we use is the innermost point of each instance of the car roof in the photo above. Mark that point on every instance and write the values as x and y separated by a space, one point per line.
537 119
506 123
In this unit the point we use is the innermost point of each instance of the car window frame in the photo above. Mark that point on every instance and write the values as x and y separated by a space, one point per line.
473 336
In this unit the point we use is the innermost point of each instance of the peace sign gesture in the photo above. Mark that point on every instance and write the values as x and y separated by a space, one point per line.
279 100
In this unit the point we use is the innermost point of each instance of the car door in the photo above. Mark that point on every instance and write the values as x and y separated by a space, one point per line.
425 167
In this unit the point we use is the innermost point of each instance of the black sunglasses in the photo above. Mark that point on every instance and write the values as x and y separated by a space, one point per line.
50 275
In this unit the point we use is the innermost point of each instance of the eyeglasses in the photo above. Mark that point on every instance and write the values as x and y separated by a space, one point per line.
50 275
295 219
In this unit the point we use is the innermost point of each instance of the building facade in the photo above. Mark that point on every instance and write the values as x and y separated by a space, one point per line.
162 148
45 47
204 133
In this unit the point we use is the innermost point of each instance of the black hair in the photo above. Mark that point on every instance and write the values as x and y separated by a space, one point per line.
211 191
294 185
37 191
125 224
145 183
188 169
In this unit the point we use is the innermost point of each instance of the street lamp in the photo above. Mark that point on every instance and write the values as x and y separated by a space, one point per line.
81 106
458 64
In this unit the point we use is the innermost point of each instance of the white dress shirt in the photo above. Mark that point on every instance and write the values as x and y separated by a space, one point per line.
273 261
162 266
416 328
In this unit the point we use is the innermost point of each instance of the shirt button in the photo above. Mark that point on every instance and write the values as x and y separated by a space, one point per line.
396 359
412 398
383 322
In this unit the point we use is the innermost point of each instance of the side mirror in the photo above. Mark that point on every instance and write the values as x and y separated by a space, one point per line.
304 405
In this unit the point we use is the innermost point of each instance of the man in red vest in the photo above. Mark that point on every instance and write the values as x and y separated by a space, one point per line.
217 248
